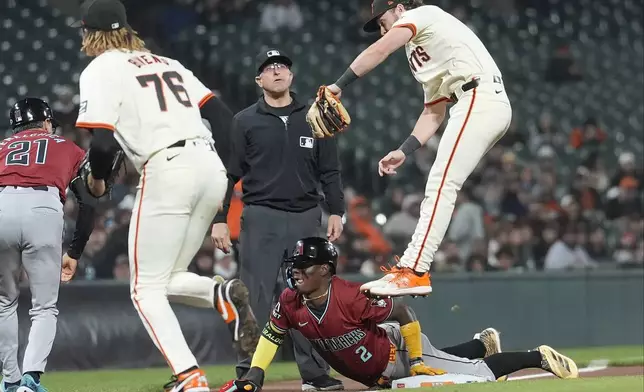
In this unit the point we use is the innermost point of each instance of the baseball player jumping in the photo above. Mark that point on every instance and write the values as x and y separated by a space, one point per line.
153 107
452 65
36 167
374 341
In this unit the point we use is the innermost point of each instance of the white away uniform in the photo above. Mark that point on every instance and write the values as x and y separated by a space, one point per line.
443 55
152 103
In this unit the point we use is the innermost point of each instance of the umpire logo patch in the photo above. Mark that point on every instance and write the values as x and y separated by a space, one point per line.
306 142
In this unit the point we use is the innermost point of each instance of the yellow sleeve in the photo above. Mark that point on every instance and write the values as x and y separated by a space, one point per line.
413 339
269 342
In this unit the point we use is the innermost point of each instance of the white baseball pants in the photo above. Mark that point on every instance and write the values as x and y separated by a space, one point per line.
179 193
477 121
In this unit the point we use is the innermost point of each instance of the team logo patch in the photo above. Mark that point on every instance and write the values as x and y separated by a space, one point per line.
381 303
82 108
272 53
306 142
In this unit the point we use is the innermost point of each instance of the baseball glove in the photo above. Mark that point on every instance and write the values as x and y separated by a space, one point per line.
117 163
327 116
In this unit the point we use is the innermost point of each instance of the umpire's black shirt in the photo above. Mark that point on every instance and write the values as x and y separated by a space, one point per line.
279 161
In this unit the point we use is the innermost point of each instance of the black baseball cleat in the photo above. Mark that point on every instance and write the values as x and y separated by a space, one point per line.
232 304
323 383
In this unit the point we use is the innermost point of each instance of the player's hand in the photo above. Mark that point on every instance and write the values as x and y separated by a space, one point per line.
69 268
96 187
335 90
391 161
240 386
220 235
420 369
334 227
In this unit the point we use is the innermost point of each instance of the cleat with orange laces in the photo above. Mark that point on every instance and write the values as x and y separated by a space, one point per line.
401 281
193 381
389 274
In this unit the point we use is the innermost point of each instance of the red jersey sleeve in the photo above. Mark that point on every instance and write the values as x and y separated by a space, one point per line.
374 310
280 316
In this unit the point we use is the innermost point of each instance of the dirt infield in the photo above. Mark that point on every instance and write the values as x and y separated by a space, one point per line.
293 386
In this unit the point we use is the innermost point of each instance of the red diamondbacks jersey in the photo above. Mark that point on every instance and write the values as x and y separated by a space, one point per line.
347 335
33 158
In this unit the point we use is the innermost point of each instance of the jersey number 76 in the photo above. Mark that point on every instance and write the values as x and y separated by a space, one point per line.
173 80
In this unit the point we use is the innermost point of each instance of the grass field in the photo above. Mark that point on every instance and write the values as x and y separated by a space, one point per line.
151 380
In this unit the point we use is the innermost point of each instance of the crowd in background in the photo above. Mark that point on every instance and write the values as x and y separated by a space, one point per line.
512 214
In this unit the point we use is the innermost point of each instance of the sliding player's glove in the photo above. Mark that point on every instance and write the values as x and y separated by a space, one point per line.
327 116
251 382
419 368
117 163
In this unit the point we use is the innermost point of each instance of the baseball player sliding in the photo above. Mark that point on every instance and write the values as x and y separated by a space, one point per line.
374 341
452 65
153 107
36 167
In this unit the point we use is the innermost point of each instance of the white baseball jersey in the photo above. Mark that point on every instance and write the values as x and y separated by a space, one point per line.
149 101
443 51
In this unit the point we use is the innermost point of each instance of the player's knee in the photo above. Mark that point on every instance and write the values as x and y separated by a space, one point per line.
40 311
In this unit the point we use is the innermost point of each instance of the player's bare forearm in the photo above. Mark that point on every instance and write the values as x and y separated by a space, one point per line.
429 121
402 313
378 52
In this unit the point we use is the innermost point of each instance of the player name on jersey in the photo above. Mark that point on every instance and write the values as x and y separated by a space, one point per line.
147 59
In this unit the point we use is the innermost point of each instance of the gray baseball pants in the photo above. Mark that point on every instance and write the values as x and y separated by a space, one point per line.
31 234
432 357
265 234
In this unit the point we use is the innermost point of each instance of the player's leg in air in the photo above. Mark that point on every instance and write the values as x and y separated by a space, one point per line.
492 366
475 125
31 229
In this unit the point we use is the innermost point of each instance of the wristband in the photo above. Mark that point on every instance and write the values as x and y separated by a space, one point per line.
410 145
347 78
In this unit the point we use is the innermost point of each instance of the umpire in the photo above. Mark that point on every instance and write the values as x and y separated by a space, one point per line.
281 167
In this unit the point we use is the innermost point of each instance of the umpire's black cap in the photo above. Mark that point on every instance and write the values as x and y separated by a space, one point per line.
30 110
379 7
103 15
271 56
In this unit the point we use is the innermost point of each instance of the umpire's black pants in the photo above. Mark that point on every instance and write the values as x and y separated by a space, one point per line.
265 234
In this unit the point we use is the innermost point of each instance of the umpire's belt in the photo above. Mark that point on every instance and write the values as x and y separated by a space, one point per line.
464 88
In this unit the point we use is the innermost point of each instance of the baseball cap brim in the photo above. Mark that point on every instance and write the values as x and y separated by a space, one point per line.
372 25
274 59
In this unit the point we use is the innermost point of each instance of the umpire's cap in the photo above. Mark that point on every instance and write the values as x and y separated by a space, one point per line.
379 7
102 15
30 110
271 56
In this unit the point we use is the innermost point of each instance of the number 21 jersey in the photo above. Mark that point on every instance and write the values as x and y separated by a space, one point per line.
149 101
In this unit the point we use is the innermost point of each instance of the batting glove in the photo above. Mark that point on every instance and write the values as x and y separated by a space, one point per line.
240 386
419 368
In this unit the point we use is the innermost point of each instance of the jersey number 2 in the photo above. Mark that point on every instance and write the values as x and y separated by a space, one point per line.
19 154
173 80
364 354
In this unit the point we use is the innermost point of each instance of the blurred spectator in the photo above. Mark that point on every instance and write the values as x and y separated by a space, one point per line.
370 239
402 224
562 67
627 168
281 14
597 246
506 259
589 136
546 132
477 261
567 253
513 137
121 271
624 199
467 223
225 264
